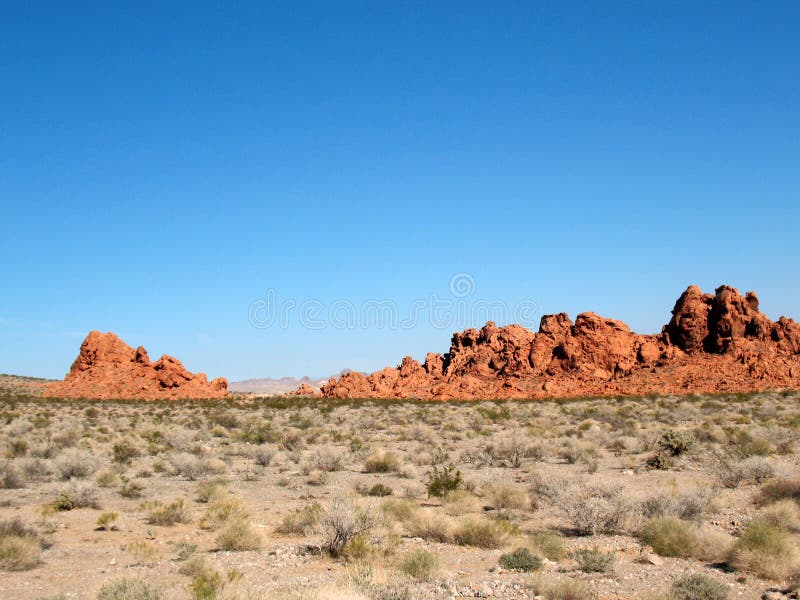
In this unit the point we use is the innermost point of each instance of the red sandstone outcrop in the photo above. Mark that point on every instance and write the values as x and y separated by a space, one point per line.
714 343
303 390
108 368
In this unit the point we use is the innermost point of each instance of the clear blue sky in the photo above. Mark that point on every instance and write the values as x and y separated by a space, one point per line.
162 165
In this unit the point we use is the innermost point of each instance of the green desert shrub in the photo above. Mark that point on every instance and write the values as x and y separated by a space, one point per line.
379 490
520 559
675 442
124 451
443 480
419 564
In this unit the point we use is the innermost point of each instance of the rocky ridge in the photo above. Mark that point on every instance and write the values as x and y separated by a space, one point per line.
717 342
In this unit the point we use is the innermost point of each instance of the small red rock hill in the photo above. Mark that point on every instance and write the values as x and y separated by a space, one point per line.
714 343
108 368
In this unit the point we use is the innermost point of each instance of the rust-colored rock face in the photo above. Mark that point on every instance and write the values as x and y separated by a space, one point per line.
108 368
713 343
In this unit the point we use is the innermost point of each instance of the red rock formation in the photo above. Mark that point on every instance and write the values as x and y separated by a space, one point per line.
108 368
713 343
303 390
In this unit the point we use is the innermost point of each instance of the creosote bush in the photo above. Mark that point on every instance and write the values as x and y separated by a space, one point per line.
520 559
443 480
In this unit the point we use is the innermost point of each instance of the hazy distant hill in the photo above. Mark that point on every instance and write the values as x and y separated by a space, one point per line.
269 386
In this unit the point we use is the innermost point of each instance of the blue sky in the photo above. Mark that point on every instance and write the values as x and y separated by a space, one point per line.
163 165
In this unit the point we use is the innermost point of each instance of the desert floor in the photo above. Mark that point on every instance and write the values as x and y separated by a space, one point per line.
656 497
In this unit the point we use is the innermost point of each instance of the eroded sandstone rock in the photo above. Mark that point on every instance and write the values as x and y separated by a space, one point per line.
107 368
714 343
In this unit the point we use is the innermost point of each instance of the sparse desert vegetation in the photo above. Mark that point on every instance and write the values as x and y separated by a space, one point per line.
657 497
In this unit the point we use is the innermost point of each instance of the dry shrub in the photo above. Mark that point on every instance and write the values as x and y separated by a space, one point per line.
130 588
507 451
698 587
263 455
502 497
548 544
75 463
783 514
398 509
461 502
238 534
220 511
419 564
167 514
670 536
20 546
779 489
594 510
300 521
189 466
382 462
76 494
481 533
325 459
559 588
765 550
691 506
432 526
10 477
341 521
144 553
208 491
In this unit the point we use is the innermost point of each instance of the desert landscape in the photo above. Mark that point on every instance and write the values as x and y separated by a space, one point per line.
353 300
138 479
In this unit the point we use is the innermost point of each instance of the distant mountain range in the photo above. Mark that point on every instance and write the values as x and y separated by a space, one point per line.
268 386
